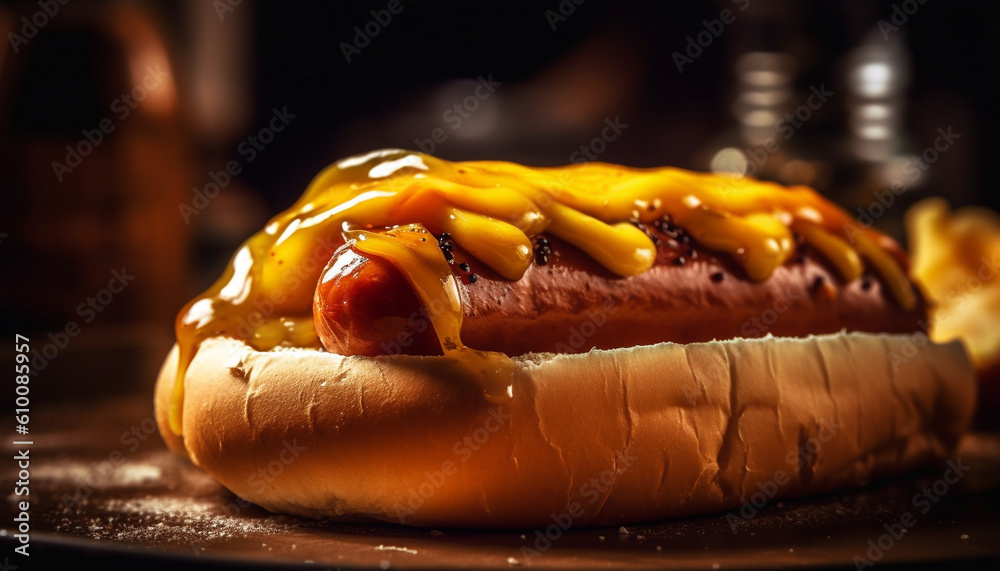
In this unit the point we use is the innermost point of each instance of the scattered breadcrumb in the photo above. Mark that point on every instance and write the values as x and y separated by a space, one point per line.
125 475
395 548
155 520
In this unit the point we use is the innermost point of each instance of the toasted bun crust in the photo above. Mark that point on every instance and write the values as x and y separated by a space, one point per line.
602 438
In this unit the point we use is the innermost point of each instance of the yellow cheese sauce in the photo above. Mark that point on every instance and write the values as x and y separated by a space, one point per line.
386 202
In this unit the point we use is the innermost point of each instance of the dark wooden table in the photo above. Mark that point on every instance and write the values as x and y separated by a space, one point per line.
105 493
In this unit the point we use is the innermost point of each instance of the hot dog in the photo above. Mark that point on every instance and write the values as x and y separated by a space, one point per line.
475 343
569 304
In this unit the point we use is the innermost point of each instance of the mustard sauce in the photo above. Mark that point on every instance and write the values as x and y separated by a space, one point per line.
420 260
386 201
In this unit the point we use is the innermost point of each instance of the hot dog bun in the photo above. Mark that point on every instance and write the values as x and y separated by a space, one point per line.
607 437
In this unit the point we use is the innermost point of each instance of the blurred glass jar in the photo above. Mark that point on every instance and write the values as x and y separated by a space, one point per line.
93 166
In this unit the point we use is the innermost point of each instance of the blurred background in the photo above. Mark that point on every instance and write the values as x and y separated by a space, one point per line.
142 141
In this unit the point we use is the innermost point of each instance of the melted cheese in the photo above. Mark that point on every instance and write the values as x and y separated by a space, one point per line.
386 201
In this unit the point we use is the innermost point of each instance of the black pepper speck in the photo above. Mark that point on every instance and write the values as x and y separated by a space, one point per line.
447 247
543 249
645 230
866 282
